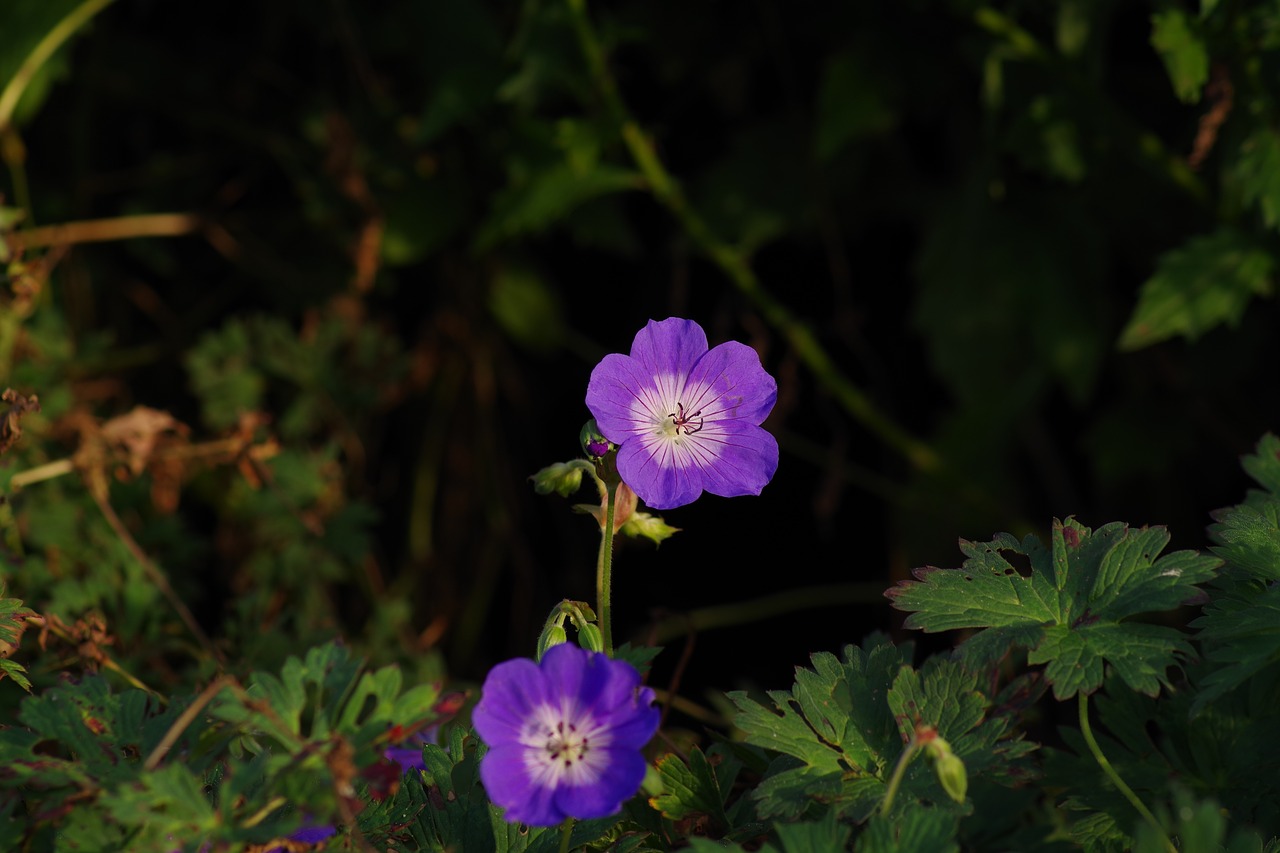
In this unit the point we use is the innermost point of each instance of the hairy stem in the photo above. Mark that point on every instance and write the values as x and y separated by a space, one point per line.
1111 774
899 770
604 569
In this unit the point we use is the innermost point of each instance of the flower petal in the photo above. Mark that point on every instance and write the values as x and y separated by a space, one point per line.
616 384
634 723
662 475
572 673
622 772
745 458
732 385
671 346
506 778
511 691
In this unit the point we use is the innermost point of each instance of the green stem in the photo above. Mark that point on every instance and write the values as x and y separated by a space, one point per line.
1111 774
566 832
899 770
40 55
732 261
604 569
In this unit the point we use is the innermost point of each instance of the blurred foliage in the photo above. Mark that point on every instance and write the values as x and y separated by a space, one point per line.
296 296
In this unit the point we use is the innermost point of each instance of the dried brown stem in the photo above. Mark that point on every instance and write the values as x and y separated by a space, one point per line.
106 230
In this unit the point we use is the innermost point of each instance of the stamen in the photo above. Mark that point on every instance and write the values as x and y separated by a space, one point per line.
682 419
564 745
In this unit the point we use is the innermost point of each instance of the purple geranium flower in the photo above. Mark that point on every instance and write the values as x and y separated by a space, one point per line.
686 419
564 736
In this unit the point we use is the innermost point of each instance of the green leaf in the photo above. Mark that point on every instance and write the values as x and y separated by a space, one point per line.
1248 536
944 696
813 836
1264 464
918 829
1183 51
1139 654
527 307
1204 284
1067 607
1240 633
1257 171
13 616
851 104
164 805
836 725
548 196
843 726
690 789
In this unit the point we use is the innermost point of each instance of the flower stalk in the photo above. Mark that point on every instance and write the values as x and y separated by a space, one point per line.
604 568
1111 774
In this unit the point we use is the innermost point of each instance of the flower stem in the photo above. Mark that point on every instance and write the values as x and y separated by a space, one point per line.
566 832
899 770
1111 774
43 50
604 568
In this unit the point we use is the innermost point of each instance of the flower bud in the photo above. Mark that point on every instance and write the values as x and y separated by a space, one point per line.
950 769
552 635
590 638
594 444
564 478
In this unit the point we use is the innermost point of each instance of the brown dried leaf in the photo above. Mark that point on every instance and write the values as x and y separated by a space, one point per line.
11 417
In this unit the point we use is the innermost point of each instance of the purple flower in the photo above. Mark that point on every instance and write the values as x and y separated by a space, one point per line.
564 735
686 419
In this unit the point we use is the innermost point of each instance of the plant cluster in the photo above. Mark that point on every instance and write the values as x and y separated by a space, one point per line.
209 640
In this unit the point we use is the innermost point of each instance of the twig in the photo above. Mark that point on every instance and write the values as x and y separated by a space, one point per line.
185 719
54 626
47 471
106 230
98 488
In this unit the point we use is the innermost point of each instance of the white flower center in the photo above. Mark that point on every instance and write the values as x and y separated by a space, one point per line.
672 411
562 746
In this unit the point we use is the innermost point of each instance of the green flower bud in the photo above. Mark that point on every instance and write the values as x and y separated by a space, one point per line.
590 638
950 769
552 635
563 478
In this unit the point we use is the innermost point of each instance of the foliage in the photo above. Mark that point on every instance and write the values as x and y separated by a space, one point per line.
294 296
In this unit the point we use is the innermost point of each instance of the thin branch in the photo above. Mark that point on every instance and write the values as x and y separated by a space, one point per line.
98 488
185 719
106 230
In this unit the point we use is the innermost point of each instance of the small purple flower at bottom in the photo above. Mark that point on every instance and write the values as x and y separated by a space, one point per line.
686 418
310 832
564 736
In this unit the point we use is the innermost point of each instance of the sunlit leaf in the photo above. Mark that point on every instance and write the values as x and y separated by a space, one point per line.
1183 51
1069 609
1204 284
